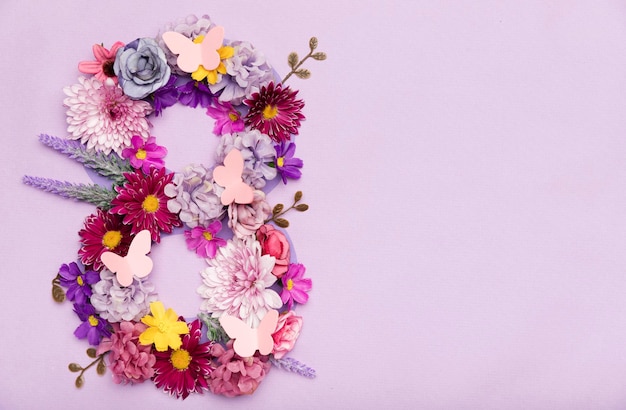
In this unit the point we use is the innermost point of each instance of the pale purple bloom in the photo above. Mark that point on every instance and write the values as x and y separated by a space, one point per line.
141 68
237 282
295 286
247 70
165 96
294 366
194 196
93 327
145 154
191 27
203 240
286 165
258 154
117 303
194 93
227 119
77 283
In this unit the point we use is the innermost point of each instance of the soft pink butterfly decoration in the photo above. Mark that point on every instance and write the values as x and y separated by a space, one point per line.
247 340
135 263
191 55
229 176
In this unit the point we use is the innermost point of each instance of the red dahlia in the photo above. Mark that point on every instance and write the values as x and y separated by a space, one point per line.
275 112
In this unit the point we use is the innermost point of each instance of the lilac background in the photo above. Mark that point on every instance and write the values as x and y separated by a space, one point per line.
465 168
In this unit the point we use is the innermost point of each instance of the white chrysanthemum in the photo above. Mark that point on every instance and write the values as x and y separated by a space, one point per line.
102 117
237 282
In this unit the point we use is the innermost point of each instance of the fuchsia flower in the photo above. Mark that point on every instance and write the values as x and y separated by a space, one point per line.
203 240
145 154
184 370
102 68
295 286
228 119
103 232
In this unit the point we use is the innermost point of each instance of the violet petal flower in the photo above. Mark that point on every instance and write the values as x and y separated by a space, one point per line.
286 165
93 327
194 93
165 96
77 283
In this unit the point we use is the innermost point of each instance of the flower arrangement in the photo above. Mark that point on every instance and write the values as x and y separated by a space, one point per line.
250 278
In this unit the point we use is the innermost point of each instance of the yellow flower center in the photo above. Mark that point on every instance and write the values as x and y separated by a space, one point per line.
111 239
80 281
141 154
93 321
150 204
233 117
180 359
280 161
270 112
207 235
289 284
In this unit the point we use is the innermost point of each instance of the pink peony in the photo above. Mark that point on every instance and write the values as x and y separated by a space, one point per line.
129 361
234 375
274 243
244 220
287 331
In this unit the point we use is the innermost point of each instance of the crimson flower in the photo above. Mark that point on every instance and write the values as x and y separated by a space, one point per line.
144 204
185 370
275 112
103 232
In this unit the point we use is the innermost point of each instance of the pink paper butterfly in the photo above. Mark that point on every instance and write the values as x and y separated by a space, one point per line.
248 340
229 176
191 55
135 263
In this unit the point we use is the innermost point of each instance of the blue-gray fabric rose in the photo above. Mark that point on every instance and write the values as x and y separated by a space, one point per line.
141 68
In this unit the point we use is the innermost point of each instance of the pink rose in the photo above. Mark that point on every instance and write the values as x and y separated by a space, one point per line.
274 243
244 220
287 331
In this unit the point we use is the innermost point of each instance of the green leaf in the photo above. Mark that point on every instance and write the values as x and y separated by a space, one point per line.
297 196
74 367
313 43
301 207
101 369
303 73
91 352
277 209
319 56
80 380
293 59
283 223
58 294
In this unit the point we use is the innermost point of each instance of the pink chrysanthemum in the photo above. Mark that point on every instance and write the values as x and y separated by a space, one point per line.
144 204
103 232
129 361
102 68
101 116
237 282
275 112
234 375
185 370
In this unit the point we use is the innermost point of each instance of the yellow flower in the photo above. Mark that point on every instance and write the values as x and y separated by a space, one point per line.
164 328
211 75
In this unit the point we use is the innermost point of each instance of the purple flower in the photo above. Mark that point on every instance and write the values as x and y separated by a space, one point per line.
228 119
93 327
165 96
295 286
286 165
77 282
145 154
193 93
203 240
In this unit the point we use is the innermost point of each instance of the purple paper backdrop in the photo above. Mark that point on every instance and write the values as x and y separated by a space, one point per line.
465 164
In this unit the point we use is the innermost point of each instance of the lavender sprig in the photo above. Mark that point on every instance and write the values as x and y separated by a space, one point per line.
94 194
294 366
109 166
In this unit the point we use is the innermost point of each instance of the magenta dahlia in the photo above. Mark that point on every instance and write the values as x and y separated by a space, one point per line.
235 375
144 204
185 370
275 112
103 232
101 116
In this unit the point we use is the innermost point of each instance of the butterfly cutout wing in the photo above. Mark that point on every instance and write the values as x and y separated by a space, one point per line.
247 340
191 55
229 176
135 263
